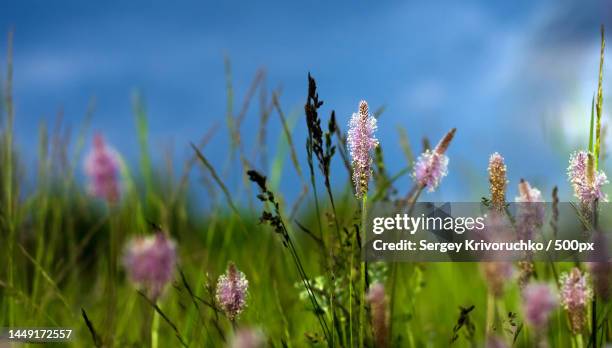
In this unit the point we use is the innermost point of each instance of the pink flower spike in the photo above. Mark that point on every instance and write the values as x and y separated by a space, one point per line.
380 313
232 292
587 182
361 142
248 338
496 342
530 206
497 275
528 194
539 301
575 297
102 167
150 263
600 266
429 169
432 165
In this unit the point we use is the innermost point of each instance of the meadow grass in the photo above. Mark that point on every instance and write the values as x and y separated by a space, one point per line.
307 282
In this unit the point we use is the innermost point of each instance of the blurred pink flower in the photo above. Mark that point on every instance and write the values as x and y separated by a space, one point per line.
575 296
497 275
528 194
586 181
530 215
248 338
602 274
497 229
102 167
380 314
496 342
361 141
150 262
232 291
539 300
600 266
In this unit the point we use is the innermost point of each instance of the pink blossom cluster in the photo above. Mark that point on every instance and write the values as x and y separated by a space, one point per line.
575 296
361 141
150 262
232 291
539 300
102 167
586 181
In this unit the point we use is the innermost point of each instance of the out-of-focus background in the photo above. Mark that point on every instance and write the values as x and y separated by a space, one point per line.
515 77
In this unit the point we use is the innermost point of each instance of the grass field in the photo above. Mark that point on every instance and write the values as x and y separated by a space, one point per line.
65 242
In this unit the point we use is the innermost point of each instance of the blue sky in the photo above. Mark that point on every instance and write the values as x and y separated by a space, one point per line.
514 76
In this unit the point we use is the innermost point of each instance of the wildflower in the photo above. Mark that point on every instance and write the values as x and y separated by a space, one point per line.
530 210
232 291
432 165
528 194
587 182
496 342
497 229
497 181
575 296
600 266
429 169
539 301
248 338
601 271
150 262
102 167
361 142
497 274
380 314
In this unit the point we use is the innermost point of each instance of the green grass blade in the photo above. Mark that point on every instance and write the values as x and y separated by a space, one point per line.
591 124
599 105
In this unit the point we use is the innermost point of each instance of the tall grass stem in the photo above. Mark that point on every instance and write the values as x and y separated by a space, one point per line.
362 314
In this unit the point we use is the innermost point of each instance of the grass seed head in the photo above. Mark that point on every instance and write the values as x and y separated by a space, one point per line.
497 181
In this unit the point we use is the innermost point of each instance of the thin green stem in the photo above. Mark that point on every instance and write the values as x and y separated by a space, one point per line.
413 197
362 316
595 222
599 102
308 287
112 272
490 312
594 322
323 239
8 175
352 256
579 341
331 254
591 124
316 199
155 329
